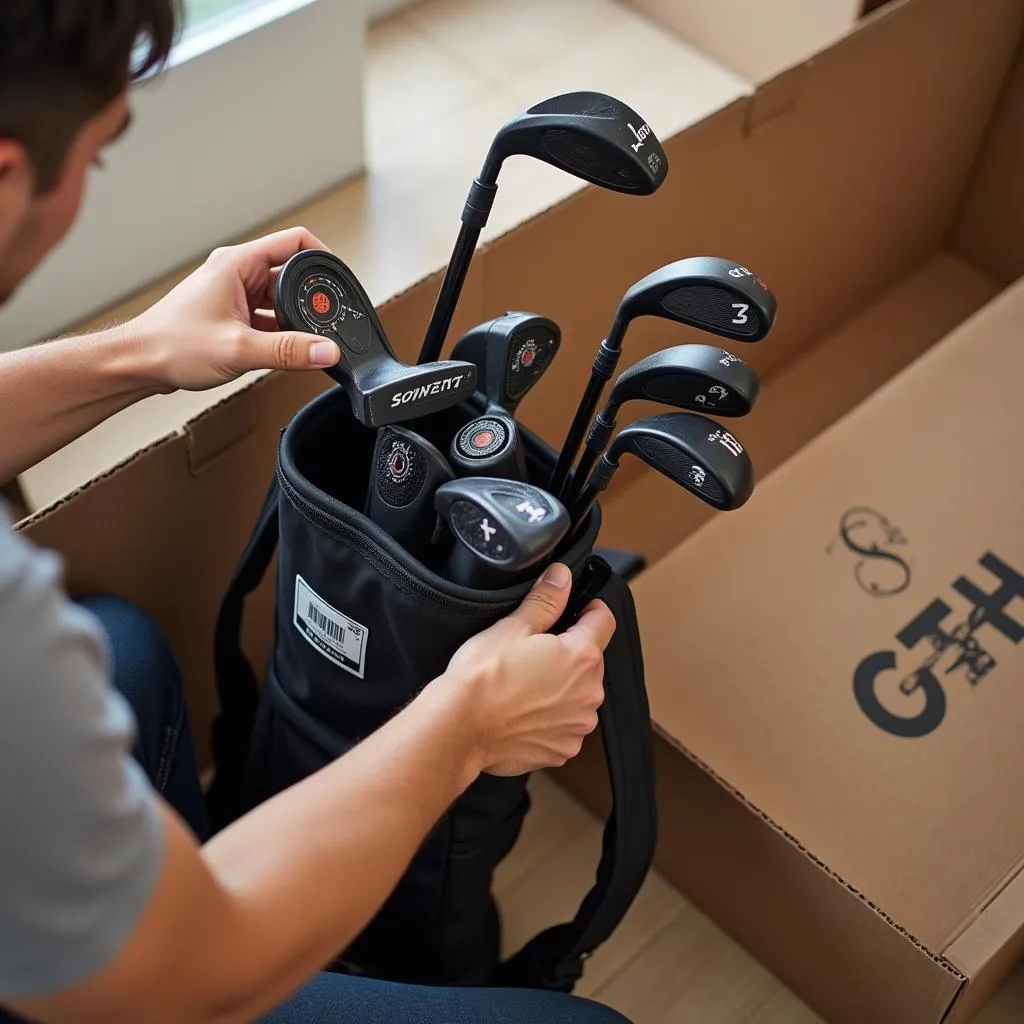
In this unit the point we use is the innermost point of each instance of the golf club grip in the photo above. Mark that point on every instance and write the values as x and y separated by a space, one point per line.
577 430
448 296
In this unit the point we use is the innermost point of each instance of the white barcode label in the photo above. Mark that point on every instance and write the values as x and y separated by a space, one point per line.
337 637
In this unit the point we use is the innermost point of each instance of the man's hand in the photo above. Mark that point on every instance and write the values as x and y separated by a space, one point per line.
533 697
219 322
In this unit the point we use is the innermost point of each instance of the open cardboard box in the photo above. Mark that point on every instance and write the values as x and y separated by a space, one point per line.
877 189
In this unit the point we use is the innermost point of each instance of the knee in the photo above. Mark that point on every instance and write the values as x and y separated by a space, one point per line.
143 664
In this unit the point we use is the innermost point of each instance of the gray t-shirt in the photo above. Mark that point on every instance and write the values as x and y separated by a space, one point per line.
81 841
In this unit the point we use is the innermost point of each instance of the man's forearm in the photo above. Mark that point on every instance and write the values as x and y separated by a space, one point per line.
51 394
306 871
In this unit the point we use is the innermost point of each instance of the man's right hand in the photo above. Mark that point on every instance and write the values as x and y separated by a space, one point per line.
531 697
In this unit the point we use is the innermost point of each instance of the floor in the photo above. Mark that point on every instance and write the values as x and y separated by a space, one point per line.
667 963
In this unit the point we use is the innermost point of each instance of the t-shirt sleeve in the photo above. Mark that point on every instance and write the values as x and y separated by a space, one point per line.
81 839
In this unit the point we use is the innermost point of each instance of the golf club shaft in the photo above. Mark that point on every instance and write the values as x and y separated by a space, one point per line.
448 296
474 217
588 494
597 440
605 361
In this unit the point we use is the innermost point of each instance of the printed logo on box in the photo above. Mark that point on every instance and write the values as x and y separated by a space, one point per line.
337 637
883 682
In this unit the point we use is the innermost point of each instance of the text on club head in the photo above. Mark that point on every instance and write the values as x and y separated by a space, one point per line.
426 391
641 135
727 441
534 513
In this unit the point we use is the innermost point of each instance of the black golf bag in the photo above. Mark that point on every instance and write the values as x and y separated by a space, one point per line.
360 628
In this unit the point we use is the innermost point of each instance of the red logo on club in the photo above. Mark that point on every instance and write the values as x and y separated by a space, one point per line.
483 438
321 303
398 463
528 357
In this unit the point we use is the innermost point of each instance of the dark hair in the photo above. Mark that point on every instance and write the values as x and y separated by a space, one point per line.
62 61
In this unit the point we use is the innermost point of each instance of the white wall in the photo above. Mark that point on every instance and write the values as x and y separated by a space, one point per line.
382 8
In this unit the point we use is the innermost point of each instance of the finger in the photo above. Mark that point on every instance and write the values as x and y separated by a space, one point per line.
543 605
264 320
596 624
287 350
265 299
254 260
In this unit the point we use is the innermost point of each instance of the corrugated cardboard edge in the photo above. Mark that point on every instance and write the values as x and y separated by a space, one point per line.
790 838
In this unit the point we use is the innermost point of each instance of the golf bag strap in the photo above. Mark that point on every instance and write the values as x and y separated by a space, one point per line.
554 959
237 686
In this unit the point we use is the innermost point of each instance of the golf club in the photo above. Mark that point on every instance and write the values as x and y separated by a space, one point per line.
489 446
691 450
711 294
502 528
316 293
407 469
698 378
587 134
511 353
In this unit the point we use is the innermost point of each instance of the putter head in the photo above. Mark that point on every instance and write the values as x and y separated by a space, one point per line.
591 136
511 353
712 294
317 294
506 524
700 378
692 451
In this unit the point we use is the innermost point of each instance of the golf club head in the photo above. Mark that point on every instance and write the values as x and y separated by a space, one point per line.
317 294
511 353
502 528
712 294
407 470
692 451
491 446
589 135
699 378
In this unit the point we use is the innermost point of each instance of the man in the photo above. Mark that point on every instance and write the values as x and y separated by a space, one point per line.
111 910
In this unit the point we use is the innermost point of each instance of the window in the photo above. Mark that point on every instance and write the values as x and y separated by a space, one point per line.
232 136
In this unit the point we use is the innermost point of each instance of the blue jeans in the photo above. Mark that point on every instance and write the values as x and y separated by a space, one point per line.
146 673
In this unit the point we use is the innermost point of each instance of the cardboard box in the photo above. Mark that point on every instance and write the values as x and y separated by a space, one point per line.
876 188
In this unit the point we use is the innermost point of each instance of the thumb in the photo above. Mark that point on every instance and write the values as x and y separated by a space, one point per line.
543 605
291 350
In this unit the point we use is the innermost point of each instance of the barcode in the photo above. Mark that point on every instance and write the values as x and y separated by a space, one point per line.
333 629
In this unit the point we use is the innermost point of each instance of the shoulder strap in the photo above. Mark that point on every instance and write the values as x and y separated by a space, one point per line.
554 959
237 687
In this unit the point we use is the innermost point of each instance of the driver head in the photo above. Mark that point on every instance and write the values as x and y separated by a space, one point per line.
712 294
590 135
695 377
692 451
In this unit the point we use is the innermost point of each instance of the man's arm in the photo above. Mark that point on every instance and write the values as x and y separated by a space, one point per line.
233 928
215 326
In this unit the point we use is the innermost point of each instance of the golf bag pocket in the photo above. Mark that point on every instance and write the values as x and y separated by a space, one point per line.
360 628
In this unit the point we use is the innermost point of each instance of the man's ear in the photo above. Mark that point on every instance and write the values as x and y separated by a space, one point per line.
17 185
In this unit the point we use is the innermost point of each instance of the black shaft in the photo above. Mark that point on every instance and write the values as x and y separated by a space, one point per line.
448 296
605 361
595 446
588 494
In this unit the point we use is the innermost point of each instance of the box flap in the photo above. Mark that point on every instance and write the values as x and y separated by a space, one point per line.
990 230
780 660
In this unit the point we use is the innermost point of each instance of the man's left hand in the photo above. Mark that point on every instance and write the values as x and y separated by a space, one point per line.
219 322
